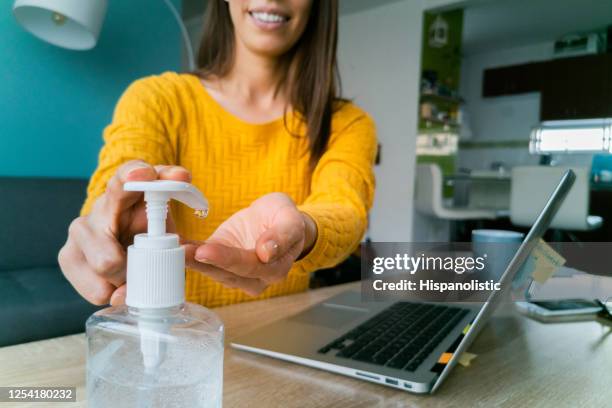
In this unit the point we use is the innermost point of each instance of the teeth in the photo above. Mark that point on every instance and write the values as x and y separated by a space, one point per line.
268 17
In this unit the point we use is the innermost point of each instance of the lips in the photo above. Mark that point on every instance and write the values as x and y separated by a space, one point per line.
268 18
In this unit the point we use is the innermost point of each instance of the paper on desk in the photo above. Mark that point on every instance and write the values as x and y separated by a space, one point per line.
542 262
569 283
466 358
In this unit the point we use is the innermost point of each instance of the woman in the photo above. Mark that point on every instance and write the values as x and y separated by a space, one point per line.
260 129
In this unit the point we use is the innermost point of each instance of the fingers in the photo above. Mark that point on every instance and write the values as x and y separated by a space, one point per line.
176 173
118 296
116 198
190 249
251 286
240 261
92 287
284 237
276 248
102 252
93 258
220 272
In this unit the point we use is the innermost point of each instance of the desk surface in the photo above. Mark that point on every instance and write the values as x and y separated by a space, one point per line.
520 363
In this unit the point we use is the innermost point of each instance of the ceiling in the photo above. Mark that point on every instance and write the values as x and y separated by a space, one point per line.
498 24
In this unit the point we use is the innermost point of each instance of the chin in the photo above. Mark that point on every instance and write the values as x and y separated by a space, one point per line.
270 47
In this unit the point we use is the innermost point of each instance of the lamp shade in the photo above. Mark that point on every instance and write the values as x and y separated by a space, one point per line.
72 24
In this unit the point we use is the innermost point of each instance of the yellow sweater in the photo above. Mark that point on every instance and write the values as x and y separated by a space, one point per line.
171 119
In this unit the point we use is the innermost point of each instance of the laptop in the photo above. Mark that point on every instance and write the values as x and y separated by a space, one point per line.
410 346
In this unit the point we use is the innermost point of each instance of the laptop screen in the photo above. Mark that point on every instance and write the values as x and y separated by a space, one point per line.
531 240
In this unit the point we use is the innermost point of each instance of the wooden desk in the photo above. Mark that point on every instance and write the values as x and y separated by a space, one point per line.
520 363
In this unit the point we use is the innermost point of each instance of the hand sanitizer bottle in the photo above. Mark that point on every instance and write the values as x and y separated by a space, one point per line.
157 350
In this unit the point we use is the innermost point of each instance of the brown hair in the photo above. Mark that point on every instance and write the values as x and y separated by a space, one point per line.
312 67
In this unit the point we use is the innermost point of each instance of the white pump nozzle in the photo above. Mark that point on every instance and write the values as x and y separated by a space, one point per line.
157 195
156 261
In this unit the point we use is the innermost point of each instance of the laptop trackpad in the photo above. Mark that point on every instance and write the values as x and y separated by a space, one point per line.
329 316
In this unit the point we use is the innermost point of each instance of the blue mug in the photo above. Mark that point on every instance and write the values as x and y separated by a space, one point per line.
497 247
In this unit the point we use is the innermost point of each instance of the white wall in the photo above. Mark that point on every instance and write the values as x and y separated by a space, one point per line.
505 117
379 57
500 118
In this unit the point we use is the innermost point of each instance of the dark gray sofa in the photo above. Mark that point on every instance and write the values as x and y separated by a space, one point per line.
36 301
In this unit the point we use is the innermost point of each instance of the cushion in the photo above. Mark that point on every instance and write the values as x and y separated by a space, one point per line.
35 214
39 303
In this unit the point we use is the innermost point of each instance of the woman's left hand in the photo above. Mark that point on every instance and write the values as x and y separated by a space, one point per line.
256 246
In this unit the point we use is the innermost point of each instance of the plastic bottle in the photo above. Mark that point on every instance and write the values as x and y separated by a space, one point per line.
157 350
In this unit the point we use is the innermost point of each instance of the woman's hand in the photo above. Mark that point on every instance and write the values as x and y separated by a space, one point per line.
94 257
256 246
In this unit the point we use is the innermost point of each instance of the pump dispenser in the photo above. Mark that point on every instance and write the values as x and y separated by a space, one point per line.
156 261
161 341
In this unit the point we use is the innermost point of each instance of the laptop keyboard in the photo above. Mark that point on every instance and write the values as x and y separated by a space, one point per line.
401 336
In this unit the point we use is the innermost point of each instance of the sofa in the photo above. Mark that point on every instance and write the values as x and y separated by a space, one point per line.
36 301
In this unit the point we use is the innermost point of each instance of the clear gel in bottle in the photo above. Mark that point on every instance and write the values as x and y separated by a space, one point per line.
157 350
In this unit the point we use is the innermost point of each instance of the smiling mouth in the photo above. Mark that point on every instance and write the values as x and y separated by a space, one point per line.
265 17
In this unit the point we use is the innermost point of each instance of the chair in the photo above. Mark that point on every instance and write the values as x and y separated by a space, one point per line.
532 186
429 200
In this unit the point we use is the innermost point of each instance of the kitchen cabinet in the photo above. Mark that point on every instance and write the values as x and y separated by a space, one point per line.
577 88
515 79
571 88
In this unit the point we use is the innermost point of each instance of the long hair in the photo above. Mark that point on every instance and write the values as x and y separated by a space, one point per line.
312 71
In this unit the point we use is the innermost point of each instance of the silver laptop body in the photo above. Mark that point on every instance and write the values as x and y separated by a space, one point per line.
299 338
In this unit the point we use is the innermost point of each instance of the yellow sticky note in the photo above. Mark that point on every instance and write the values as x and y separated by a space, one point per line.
545 261
445 358
466 358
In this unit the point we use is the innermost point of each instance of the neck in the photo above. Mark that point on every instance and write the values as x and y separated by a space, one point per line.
256 78
156 312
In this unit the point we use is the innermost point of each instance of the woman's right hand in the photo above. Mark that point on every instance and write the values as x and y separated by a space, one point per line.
93 258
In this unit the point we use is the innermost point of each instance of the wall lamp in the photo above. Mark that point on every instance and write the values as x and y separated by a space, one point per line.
76 24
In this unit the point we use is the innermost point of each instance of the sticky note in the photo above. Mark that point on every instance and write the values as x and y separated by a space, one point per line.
466 329
540 265
445 358
466 358
545 261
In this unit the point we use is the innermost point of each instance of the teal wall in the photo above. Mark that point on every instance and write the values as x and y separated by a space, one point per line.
54 103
